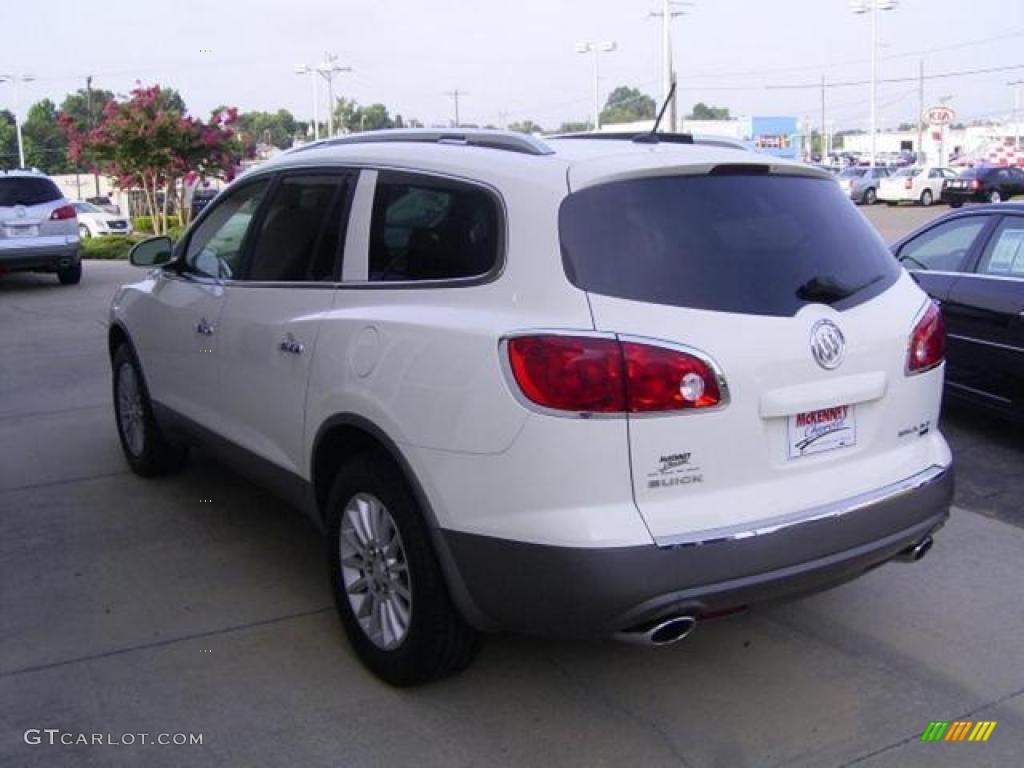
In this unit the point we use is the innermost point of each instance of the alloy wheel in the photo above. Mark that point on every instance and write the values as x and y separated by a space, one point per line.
374 571
130 411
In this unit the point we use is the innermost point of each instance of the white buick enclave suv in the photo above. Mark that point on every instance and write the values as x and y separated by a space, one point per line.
580 386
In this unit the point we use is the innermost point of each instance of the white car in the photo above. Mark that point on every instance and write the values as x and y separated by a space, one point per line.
577 386
915 185
93 221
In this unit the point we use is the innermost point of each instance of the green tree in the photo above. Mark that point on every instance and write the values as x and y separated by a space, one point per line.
525 126
77 106
627 105
46 145
374 118
276 128
8 140
575 127
702 111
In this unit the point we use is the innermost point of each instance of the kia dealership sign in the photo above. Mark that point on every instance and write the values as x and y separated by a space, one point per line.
939 115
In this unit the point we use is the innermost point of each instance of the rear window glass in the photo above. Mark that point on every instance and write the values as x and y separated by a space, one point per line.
25 190
852 173
759 244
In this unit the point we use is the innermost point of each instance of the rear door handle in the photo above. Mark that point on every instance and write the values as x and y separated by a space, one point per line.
291 345
204 328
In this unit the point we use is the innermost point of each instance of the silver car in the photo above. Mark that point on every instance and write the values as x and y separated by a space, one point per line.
38 227
861 183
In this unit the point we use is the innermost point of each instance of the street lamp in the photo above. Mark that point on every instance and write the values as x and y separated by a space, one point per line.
596 48
16 80
305 69
328 69
872 7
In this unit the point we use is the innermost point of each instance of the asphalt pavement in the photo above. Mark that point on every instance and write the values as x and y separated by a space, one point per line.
130 606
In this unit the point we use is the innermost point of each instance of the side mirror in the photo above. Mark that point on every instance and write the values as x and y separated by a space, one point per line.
151 252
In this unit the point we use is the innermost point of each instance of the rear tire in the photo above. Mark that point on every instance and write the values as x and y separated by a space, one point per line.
70 275
994 196
926 198
386 580
146 450
870 196
956 205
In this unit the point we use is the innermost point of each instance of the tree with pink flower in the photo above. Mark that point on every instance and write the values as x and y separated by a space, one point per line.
149 142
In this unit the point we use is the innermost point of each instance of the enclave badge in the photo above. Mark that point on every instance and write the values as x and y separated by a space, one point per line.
827 344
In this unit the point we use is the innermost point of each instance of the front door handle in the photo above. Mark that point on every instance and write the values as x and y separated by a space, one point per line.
291 345
203 328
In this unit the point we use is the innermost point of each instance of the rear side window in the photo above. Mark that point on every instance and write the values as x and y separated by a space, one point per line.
25 190
302 232
431 229
753 244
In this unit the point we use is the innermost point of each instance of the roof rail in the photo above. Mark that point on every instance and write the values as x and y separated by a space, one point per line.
639 138
471 137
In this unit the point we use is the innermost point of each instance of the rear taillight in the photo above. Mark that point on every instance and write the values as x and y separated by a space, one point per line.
64 212
603 375
975 184
927 342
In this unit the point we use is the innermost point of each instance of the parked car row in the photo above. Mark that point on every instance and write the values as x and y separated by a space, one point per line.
928 184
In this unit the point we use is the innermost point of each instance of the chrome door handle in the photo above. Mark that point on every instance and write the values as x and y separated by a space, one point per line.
292 345
204 328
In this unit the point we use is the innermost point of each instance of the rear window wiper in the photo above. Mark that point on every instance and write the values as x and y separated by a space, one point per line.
825 290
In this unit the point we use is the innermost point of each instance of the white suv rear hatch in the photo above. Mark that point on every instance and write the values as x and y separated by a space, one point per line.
753 269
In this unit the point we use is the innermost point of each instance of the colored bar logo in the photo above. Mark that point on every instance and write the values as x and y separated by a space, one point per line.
958 730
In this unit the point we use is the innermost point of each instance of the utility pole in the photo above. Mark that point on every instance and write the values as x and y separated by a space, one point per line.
920 111
824 129
1016 84
92 126
670 9
455 97
328 69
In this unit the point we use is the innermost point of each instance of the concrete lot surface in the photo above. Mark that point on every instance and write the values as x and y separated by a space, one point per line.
131 606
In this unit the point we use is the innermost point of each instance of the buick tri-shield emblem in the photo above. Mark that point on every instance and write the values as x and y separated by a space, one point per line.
827 344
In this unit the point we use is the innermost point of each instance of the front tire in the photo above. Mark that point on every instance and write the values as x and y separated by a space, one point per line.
83 232
146 450
926 198
994 196
956 205
870 196
386 581
71 275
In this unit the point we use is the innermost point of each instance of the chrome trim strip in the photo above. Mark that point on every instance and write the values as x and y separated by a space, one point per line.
804 517
995 344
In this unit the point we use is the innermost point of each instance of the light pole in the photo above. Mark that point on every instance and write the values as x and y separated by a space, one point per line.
596 48
17 80
873 7
1016 84
305 69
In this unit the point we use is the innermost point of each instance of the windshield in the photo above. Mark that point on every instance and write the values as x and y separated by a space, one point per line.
852 173
27 190
907 172
87 208
758 244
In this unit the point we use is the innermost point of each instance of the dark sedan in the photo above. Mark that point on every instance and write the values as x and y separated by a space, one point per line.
972 263
986 184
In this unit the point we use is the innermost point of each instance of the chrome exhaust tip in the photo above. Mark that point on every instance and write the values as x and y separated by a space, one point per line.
660 632
916 552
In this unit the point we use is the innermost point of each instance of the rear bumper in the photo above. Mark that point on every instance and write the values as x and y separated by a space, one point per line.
566 591
44 257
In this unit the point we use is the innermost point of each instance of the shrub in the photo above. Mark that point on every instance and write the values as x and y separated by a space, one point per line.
112 247
145 223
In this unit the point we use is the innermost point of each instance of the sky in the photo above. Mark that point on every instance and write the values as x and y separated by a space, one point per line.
516 60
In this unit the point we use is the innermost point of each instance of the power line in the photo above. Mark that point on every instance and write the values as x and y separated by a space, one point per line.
940 76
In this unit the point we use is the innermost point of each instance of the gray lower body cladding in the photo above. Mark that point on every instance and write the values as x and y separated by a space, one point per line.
573 592
29 258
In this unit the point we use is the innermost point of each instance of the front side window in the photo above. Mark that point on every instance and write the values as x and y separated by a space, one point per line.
301 235
943 248
215 247
431 229
1004 255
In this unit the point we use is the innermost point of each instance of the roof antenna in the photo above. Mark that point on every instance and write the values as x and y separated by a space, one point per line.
652 137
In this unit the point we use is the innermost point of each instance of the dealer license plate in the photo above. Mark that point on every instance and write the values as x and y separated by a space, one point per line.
31 231
823 430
